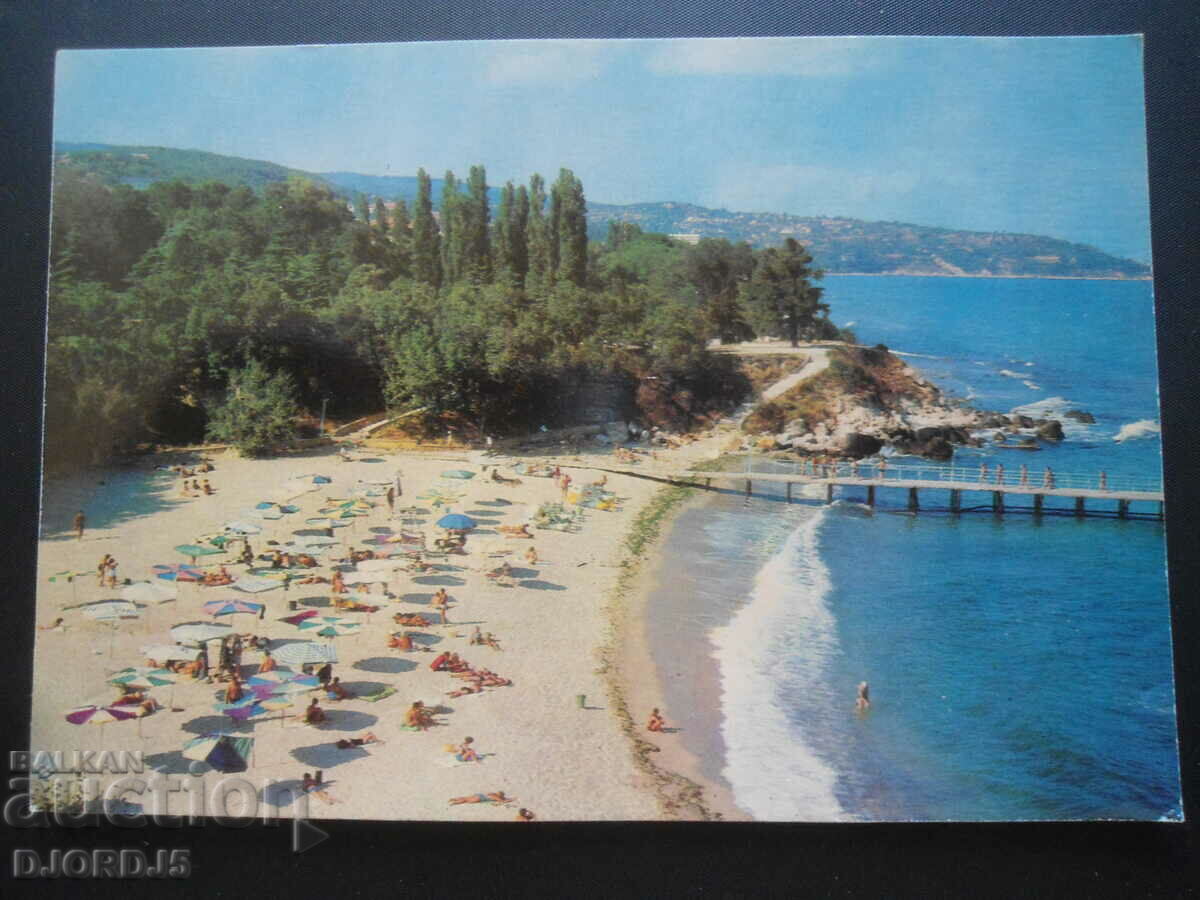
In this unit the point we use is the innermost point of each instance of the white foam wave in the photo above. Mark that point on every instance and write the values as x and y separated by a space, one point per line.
1056 408
1009 373
1031 385
774 774
1140 429
915 355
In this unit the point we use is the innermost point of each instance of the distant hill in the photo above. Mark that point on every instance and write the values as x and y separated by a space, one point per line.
839 245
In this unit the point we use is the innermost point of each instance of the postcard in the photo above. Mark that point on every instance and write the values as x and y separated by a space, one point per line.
727 430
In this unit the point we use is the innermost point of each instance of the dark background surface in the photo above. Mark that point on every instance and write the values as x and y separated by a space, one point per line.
638 860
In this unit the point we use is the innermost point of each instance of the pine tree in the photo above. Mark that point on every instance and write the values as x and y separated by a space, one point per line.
426 252
381 219
780 296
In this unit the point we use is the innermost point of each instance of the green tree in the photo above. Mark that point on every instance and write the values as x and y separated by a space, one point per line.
716 270
401 239
362 208
568 226
780 297
381 218
452 232
476 253
258 412
426 250
540 275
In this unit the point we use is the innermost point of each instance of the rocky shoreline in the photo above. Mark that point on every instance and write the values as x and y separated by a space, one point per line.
867 400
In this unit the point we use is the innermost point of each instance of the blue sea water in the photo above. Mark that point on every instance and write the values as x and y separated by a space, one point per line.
1020 668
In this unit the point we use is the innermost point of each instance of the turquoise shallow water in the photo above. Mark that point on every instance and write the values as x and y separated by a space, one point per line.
1019 668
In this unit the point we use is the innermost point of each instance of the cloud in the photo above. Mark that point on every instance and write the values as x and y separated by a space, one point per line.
546 62
797 57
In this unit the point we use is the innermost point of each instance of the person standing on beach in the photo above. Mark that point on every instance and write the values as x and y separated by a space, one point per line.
80 521
391 500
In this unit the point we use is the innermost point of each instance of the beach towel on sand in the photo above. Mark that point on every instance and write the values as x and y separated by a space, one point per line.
378 695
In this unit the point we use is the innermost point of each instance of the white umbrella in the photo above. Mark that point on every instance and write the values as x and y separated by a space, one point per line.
305 653
108 610
199 632
169 652
253 584
156 591
240 527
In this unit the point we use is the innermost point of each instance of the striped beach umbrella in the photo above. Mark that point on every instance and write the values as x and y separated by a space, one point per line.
98 715
177 572
224 752
149 592
195 551
108 610
254 584
142 677
329 626
199 632
280 681
303 653
231 607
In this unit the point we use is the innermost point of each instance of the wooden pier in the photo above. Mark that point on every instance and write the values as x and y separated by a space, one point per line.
1093 494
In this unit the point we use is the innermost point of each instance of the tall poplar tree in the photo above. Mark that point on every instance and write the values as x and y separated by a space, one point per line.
518 238
476 258
569 225
402 237
426 250
540 272
451 230
381 217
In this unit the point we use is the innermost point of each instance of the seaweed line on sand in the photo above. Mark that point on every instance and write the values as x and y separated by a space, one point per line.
678 797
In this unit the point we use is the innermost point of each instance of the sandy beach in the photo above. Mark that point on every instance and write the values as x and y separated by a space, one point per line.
539 747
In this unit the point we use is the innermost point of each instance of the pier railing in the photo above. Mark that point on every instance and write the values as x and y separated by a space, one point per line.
987 478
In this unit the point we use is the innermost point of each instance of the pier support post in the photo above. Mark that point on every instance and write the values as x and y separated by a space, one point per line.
829 492
1122 509
871 495
998 502
913 503
1079 507
708 482
789 492
747 487
1037 504
955 500
1162 512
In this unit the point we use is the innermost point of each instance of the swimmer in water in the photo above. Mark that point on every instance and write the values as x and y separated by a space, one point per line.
863 703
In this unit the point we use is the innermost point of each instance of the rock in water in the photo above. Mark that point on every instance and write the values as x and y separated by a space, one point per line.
859 445
1084 418
1051 431
939 448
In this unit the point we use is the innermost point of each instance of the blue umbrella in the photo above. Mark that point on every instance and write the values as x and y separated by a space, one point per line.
223 752
456 522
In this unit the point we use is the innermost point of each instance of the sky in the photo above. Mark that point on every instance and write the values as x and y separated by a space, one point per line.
1032 135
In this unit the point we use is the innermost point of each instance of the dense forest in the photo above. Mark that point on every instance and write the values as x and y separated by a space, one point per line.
186 311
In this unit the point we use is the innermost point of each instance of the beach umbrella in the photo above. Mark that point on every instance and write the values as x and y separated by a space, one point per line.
456 522
254 584
231 607
329 626
459 474
300 616
267 511
169 652
199 632
142 677
101 715
195 551
280 681
178 572
240 527
305 653
107 610
98 715
224 752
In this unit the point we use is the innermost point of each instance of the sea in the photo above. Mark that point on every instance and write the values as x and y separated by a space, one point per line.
1019 667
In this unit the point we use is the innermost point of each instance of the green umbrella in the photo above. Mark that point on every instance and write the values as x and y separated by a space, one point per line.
197 550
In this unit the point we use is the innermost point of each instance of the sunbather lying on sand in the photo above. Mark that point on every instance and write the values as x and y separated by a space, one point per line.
411 619
494 797
310 785
517 531
349 743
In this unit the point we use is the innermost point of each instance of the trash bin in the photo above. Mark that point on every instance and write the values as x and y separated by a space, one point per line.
581 700
293 605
